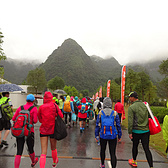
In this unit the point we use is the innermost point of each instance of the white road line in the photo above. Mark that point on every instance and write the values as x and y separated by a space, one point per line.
109 164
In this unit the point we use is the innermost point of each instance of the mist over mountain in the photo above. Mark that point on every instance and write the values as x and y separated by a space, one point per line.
70 62
16 71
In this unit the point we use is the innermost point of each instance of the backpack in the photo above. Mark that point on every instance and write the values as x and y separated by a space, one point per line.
75 108
67 106
83 106
21 126
7 111
108 130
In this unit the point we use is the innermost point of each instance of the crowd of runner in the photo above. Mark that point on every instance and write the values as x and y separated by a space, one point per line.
73 110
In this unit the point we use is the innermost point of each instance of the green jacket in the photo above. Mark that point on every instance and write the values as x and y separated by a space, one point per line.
137 117
165 129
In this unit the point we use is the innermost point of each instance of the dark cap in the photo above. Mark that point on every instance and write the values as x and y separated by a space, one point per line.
133 94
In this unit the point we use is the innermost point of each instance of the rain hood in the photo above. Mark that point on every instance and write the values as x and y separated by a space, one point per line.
107 106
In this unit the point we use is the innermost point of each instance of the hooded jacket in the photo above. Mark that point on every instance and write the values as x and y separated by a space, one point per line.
107 109
165 129
82 115
47 113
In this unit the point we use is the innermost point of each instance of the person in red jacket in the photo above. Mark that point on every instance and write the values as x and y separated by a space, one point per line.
30 139
47 114
82 114
120 109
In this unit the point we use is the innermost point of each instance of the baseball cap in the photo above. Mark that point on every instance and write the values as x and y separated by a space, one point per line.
30 97
133 94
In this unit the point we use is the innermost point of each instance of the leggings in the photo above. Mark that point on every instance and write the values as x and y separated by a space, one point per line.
66 116
112 148
145 143
30 144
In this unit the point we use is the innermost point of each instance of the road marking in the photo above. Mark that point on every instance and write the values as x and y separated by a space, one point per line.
109 164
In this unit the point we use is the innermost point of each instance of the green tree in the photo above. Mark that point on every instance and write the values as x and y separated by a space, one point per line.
163 85
85 92
163 67
2 55
72 91
143 84
36 78
56 83
131 80
114 91
151 94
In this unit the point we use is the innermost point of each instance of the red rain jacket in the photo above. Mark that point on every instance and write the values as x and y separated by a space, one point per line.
47 113
80 115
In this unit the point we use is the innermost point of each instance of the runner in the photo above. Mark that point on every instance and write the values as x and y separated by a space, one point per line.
105 128
138 128
30 139
46 114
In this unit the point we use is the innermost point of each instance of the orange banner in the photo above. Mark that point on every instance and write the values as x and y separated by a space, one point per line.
100 91
123 72
96 95
108 88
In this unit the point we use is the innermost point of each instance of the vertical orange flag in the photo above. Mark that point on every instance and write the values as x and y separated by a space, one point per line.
123 72
108 88
100 91
96 95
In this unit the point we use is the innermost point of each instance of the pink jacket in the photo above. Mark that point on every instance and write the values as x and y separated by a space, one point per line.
33 114
47 113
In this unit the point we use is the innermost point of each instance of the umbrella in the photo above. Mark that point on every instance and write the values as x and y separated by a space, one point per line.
9 88
60 92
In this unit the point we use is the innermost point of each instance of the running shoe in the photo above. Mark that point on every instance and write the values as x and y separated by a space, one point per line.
54 165
1 145
132 162
33 164
4 143
102 166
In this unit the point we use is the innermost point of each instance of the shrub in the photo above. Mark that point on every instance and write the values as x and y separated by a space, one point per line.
159 112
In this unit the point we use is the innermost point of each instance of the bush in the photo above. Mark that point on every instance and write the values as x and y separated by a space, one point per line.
159 112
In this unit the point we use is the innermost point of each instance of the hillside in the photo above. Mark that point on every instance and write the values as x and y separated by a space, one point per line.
70 62
16 71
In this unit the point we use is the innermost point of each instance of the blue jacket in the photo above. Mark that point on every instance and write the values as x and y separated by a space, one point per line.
107 109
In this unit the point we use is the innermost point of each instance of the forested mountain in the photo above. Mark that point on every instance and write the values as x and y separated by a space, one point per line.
16 71
70 62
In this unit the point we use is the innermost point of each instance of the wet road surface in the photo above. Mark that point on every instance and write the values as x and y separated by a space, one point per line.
80 150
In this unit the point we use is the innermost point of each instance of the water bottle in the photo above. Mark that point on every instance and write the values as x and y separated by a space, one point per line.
98 140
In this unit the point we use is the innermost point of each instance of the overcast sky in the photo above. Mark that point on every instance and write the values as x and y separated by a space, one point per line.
128 30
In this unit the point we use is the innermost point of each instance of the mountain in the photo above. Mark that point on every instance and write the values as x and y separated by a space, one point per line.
70 62
151 68
16 71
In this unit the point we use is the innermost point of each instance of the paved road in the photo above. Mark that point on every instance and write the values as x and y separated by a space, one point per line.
80 150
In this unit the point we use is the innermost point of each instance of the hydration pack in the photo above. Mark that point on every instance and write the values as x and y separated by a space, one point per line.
67 106
83 106
21 126
108 130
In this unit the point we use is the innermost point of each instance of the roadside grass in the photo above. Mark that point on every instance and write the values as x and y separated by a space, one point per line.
156 141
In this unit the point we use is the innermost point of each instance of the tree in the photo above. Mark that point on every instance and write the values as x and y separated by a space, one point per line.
131 80
143 84
163 68
163 85
2 55
72 91
114 91
56 83
36 78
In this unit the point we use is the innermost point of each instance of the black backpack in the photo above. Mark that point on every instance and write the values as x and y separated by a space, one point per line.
75 107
